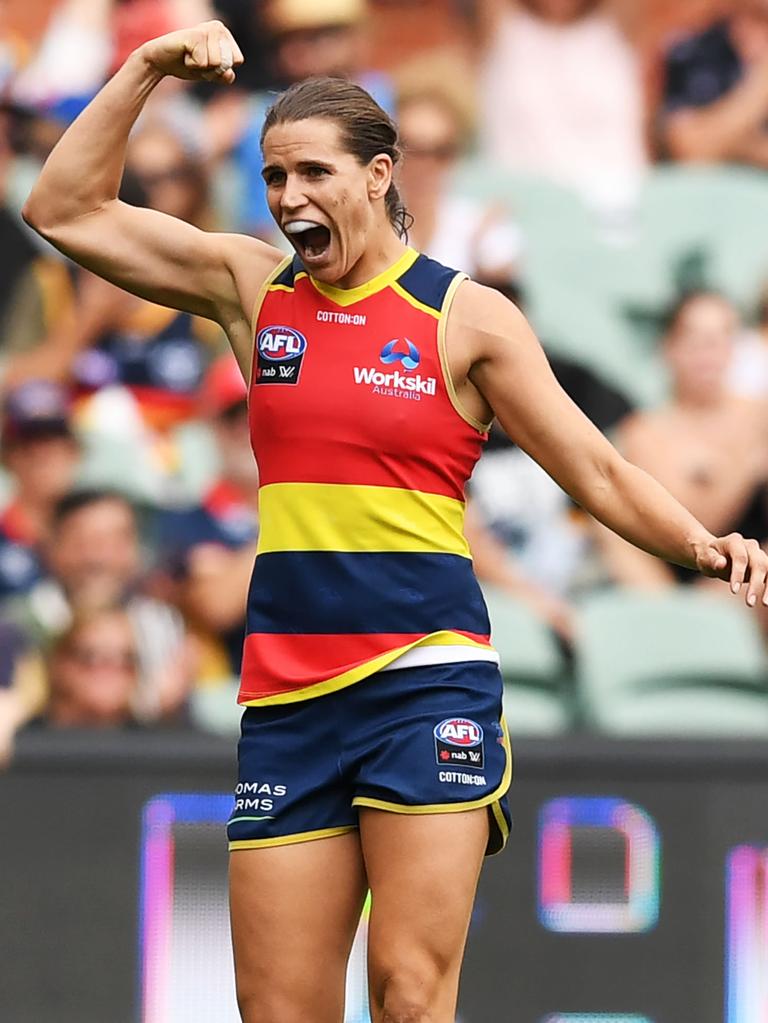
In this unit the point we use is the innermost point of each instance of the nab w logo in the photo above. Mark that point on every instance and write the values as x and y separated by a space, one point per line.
280 353
401 350
281 343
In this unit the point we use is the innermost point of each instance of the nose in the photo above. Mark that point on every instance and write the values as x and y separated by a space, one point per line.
292 197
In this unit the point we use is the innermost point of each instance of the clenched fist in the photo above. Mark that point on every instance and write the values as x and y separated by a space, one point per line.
207 52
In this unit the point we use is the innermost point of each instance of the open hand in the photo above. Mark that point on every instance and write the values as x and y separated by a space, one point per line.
207 52
742 563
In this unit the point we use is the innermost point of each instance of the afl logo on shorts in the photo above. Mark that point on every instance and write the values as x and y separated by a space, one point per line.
280 353
459 741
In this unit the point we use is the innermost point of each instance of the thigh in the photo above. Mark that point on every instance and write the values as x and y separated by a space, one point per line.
294 911
423 871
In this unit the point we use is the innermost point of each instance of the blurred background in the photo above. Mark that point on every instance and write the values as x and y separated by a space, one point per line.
605 165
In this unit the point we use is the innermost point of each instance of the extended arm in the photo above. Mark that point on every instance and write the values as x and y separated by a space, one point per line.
75 206
509 368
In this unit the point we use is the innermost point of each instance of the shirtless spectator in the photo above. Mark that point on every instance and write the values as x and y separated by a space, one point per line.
715 106
707 446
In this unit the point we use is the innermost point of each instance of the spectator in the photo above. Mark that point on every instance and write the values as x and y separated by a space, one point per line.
40 452
709 448
715 105
93 678
547 110
93 557
208 550
138 367
455 230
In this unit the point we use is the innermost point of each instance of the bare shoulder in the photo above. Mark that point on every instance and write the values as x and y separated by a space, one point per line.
250 261
484 320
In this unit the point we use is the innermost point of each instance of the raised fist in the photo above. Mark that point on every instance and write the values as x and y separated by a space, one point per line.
207 52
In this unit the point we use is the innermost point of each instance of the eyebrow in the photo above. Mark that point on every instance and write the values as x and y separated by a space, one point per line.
271 167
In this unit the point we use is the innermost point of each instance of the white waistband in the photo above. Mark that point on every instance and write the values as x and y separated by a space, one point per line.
423 655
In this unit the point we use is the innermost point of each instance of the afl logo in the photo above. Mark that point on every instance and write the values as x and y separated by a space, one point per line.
459 732
278 344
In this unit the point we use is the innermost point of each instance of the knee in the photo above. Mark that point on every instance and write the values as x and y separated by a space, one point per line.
257 1009
410 995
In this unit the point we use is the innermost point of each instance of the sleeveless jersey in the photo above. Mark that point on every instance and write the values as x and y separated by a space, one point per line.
363 457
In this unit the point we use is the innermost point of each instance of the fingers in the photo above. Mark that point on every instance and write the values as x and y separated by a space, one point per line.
736 550
215 54
749 564
758 572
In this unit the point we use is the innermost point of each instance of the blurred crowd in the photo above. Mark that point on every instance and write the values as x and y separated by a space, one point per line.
128 493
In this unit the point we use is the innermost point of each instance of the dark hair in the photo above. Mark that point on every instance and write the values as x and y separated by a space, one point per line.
76 500
366 129
673 314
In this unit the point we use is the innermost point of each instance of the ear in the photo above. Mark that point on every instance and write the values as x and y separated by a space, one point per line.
379 176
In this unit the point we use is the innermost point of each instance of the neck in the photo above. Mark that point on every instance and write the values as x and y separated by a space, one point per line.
701 404
380 254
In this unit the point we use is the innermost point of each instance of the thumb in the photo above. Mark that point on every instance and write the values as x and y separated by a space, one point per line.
714 559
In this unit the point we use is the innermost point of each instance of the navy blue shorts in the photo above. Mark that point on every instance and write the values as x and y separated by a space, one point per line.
413 740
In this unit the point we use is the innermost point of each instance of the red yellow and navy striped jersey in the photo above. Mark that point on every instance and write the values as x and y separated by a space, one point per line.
363 456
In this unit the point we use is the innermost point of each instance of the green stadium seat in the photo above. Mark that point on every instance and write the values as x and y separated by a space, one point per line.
681 663
532 667
214 708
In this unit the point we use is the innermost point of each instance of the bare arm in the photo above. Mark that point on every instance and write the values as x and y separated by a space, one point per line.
509 369
75 206
728 129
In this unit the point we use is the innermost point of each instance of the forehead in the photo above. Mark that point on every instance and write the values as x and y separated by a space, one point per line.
427 115
314 138
707 309
99 513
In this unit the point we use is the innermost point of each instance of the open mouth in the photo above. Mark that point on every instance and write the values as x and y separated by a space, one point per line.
310 238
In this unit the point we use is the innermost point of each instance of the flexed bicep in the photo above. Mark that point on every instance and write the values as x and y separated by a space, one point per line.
75 203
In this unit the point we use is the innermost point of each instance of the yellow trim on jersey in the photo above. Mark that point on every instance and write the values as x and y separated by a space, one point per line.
289 287
409 298
351 518
301 836
361 671
265 287
474 804
348 296
268 286
441 347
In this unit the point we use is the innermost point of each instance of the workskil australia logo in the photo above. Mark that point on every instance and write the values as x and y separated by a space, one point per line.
400 381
